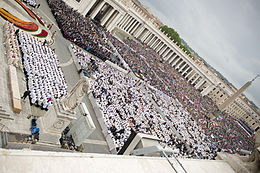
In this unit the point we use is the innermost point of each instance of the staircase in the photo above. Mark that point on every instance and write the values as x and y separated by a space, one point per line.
4 114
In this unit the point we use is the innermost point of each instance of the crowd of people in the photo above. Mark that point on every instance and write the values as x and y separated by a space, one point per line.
45 79
11 45
123 102
81 30
125 105
145 62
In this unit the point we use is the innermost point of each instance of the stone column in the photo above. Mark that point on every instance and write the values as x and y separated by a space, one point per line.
169 56
129 18
107 16
195 79
170 59
179 64
198 85
119 18
174 60
88 7
192 77
122 21
207 90
182 67
189 72
155 43
83 6
133 26
159 46
139 31
144 37
129 24
149 37
112 24
186 69
97 9
163 49
136 29
151 40
122 26
166 52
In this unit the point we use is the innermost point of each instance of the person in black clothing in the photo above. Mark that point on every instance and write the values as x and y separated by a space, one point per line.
16 32
44 42
25 94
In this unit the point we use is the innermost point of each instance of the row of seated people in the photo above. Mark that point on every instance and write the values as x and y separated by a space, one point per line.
11 45
124 107
45 79
83 31
32 3
147 63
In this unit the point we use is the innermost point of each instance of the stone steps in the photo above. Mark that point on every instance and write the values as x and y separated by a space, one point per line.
4 114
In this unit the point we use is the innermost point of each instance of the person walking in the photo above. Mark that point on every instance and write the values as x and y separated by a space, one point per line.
25 94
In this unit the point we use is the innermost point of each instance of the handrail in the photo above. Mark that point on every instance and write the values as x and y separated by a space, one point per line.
179 163
172 164
169 161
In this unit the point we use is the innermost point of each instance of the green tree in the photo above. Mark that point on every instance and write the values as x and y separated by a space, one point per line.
175 37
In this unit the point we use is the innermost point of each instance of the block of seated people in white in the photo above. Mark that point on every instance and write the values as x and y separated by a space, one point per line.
61 114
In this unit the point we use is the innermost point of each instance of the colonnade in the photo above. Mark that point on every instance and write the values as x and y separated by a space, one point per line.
103 12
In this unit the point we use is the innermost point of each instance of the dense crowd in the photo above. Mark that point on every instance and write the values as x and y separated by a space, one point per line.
45 79
123 102
145 62
83 31
126 106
